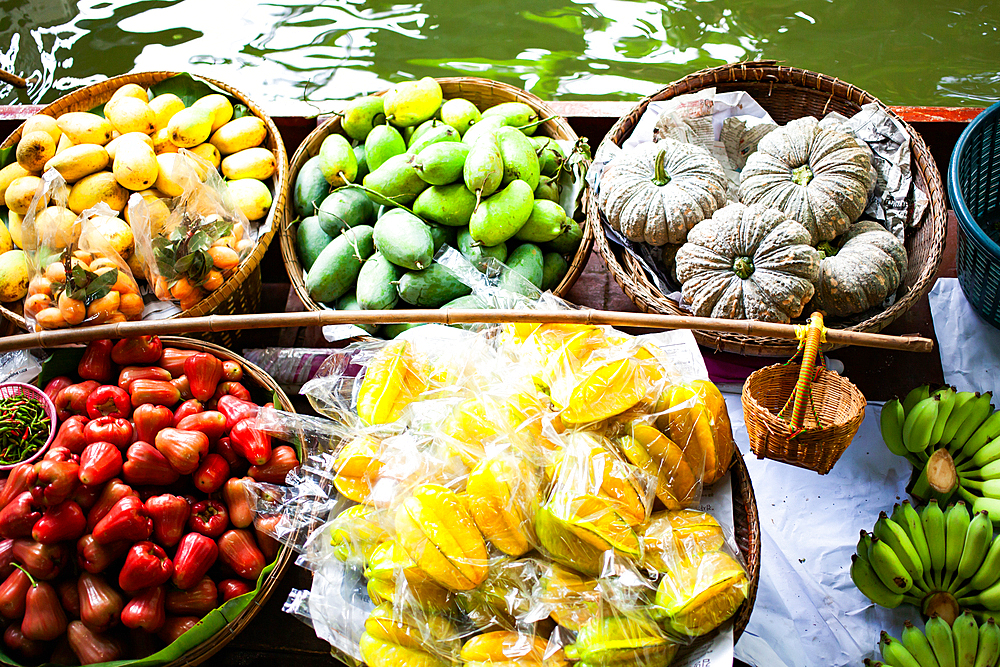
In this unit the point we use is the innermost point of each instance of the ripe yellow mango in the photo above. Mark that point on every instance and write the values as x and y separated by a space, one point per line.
34 150
129 114
165 106
130 90
78 161
210 154
117 232
251 196
42 123
14 221
83 127
219 105
95 188
13 276
57 227
6 242
190 127
18 194
135 166
164 178
162 143
256 163
9 174
239 134
113 145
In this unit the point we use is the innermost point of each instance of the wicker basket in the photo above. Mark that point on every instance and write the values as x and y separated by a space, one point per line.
747 528
240 293
483 93
786 93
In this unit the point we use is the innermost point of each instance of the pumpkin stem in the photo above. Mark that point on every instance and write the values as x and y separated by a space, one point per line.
802 175
827 248
660 175
743 267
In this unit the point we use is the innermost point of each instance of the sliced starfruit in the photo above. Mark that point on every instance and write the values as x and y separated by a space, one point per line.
608 390
384 565
501 494
679 535
435 530
509 649
696 597
621 641
357 467
573 598
562 545
379 653
356 532
394 378
412 630
722 429
659 457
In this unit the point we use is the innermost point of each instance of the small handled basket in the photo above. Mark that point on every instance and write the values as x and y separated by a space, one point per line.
12 389
802 414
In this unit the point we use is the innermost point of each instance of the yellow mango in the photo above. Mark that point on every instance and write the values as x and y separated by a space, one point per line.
239 134
9 174
78 161
135 166
251 196
83 127
129 114
19 193
130 90
208 153
6 242
63 143
164 106
14 221
117 233
99 187
219 105
34 150
162 143
112 147
42 123
13 276
57 227
165 182
190 127
256 163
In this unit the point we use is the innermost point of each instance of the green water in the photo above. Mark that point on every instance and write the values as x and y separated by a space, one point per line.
301 58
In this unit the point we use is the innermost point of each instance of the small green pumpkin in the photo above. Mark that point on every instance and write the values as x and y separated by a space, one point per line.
654 193
868 267
821 178
748 262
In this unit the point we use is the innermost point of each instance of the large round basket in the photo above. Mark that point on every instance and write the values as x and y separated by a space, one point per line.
747 528
484 93
240 293
786 93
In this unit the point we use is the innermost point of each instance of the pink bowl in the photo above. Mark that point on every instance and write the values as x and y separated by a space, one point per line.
18 389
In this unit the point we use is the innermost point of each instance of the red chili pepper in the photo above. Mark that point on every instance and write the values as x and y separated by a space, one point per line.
73 399
203 371
184 387
127 520
21 478
95 557
146 564
65 521
116 430
186 409
170 514
236 410
19 516
44 618
183 449
232 371
233 588
96 361
137 351
283 459
71 434
42 561
12 592
252 444
175 626
238 550
55 481
231 389
112 492
196 554
146 611
99 462
55 385
131 373
238 501
173 360
211 474
100 604
145 465
108 401
209 517
92 647
156 392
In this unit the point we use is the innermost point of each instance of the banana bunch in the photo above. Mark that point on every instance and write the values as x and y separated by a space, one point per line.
937 560
952 437
963 644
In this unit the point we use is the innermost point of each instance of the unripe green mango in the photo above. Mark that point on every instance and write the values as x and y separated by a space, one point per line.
548 188
519 159
432 136
554 267
525 261
483 169
479 255
361 115
514 114
481 129
546 222
376 288
310 188
350 302
344 208
310 240
442 163
396 182
442 235
362 158
383 142
502 215
567 242
337 160
335 271
404 239
460 113
432 287
550 154
450 205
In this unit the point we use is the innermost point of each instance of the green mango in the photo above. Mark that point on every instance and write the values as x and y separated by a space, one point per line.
404 239
481 129
442 235
439 133
362 158
412 102
548 188
396 182
479 255
336 269
514 114
502 215
567 242
483 168
336 159
376 288
527 261
519 158
393 330
450 205
554 268
343 208
382 143
310 188
550 155
460 113
415 132
432 287
546 222
442 163
470 301
361 115
310 239
350 302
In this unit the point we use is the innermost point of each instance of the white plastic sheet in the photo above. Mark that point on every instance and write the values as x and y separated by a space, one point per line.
969 346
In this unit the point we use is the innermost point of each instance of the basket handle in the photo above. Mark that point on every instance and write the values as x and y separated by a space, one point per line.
814 334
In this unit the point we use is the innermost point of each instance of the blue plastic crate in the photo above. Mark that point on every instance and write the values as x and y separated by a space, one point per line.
974 190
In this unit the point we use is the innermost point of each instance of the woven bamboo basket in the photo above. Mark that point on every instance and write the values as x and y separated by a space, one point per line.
240 293
483 93
786 93
746 524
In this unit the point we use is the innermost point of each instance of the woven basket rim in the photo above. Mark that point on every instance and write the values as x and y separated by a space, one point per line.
90 96
557 127
743 491
638 287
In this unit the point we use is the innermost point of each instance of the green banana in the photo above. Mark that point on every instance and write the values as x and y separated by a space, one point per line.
989 572
982 408
871 586
989 488
986 454
988 505
956 524
989 644
864 544
987 431
918 646
959 413
915 396
947 396
989 598
940 637
989 471
966 633
888 567
977 542
932 520
893 535
891 426
915 531
919 424
894 653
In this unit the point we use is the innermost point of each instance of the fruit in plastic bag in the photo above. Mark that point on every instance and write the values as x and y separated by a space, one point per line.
505 598
501 495
611 641
507 649
386 562
395 377
412 630
357 467
697 420
436 531
662 459
378 653
695 597
573 599
356 532
681 535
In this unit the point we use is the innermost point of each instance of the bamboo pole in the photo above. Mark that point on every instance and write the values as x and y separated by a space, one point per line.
13 79
57 337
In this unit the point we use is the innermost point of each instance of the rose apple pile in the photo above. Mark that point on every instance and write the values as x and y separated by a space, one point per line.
137 522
